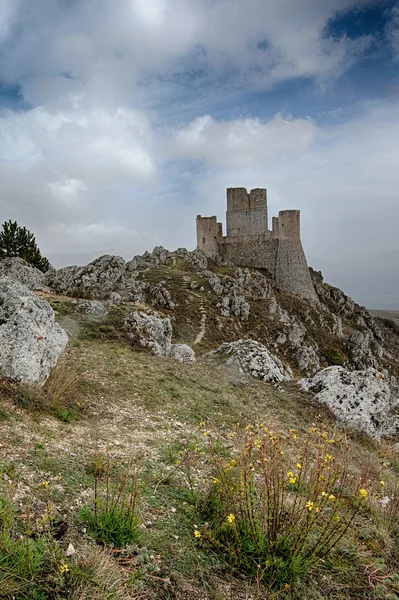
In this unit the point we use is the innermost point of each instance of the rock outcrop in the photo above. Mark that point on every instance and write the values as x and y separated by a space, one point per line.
96 280
227 303
253 358
21 271
152 331
182 353
363 400
30 340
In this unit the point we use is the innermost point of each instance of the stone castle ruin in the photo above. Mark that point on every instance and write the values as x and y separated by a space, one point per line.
250 243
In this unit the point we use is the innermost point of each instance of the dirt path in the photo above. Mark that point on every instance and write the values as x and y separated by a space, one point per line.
202 310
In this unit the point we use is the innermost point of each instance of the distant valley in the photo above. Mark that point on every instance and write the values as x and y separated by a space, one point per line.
372 282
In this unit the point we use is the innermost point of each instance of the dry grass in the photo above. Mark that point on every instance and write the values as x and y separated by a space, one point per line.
147 409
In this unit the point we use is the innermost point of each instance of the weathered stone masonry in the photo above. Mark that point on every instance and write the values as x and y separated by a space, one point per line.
250 243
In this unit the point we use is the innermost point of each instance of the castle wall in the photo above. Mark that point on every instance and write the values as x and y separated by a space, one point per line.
246 213
256 251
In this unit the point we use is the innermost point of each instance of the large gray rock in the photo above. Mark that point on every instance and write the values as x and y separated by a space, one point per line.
255 359
96 280
30 339
92 308
307 360
21 271
363 400
150 330
182 353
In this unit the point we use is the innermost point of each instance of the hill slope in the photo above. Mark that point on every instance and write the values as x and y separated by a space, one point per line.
107 395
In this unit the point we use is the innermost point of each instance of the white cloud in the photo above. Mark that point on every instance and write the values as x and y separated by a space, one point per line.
344 182
88 167
65 168
243 142
109 48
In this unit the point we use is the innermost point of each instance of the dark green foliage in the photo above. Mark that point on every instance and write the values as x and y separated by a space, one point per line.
114 526
30 566
18 241
3 414
334 357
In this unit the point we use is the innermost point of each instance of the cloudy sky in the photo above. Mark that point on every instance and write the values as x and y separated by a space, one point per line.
120 121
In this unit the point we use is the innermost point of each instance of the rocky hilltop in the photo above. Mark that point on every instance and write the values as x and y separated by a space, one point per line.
181 304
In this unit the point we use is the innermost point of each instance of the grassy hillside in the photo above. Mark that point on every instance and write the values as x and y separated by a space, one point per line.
157 416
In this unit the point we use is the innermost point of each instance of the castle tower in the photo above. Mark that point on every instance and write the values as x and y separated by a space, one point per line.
209 234
292 272
246 213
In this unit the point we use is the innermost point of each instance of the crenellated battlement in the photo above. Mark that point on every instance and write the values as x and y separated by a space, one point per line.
249 242
246 213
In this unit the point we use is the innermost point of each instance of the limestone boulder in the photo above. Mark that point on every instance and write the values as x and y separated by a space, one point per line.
30 339
182 353
19 270
96 280
253 358
160 296
307 360
150 330
363 400
94 309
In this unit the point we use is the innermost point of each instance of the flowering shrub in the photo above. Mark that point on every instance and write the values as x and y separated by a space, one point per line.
276 505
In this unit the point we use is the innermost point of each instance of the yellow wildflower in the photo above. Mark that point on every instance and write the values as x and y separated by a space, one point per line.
332 498
206 434
44 484
383 483
216 480
363 493
197 534
317 509
231 518
324 494
309 505
292 480
290 474
298 466
64 568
